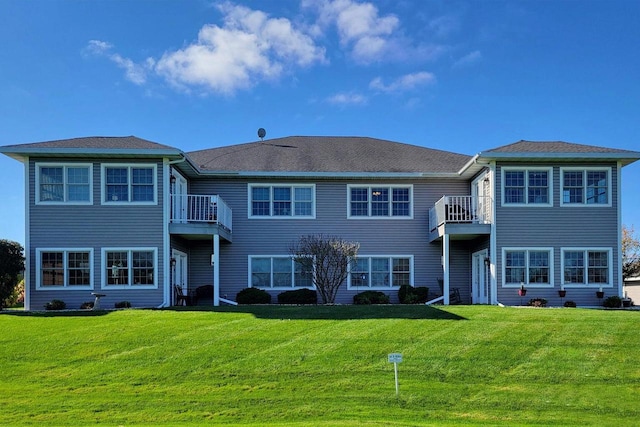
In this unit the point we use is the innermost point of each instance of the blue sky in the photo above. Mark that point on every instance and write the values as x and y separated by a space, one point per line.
463 76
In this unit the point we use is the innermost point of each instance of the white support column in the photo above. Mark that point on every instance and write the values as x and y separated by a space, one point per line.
216 270
445 268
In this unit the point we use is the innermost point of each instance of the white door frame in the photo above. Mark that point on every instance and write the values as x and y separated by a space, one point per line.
180 273
480 277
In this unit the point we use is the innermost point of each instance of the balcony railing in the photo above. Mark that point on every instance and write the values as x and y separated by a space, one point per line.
460 209
189 208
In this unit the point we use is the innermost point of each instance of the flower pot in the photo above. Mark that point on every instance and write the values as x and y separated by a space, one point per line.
562 293
522 292
600 294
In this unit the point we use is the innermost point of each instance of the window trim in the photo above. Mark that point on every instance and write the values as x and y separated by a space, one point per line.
527 249
129 167
585 251
292 187
584 171
64 166
130 251
390 187
65 286
526 170
275 288
382 288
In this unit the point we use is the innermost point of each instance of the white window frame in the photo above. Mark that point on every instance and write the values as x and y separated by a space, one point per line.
369 189
381 288
271 272
292 187
65 167
129 167
584 171
130 284
586 284
65 260
526 171
526 282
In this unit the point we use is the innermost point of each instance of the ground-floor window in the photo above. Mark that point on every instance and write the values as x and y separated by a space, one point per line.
129 267
271 272
381 271
527 266
64 268
586 267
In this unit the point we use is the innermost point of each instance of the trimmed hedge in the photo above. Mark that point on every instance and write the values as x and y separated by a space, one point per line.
299 296
253 296
122 304
613 301
371 297
410 295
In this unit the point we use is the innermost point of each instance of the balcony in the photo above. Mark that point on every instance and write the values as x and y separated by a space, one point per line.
462 217
200 216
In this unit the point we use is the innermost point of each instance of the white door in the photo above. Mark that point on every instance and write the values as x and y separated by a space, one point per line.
179 198
480 282
481 190
180 270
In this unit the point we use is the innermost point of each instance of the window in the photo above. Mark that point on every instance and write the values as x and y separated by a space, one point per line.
129 184
64 268
381 272
526 186
281 201
586 267
129 268
379 202
528 266
70 183
585 187
278 273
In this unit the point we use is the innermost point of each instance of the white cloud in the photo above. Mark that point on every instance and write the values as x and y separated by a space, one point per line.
468 59
135 73
404 83
349 98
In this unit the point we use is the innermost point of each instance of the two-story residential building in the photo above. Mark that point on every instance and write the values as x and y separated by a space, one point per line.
133 219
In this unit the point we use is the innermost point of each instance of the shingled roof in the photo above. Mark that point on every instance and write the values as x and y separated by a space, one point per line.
95 142
322 154
552 147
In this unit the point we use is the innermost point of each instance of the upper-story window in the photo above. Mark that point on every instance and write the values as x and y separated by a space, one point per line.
531 186
69 183
282 201
380 201
586 186
129 184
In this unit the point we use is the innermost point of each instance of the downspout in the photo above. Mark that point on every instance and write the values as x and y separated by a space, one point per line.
27 240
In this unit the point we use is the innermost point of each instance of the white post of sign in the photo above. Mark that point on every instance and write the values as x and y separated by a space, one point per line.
396 358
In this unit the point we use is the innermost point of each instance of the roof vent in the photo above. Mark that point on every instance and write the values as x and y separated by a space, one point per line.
261 134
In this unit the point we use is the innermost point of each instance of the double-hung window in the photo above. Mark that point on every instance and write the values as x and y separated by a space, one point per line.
69 183
281 201
279 272
129 268
129 184
586 187
379 201
586 267
64 268
381 272
531 186
524 266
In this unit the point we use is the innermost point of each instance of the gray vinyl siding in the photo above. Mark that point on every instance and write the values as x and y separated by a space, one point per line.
96 226
557 227
253 236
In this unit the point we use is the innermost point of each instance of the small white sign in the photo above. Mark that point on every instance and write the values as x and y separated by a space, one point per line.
395 357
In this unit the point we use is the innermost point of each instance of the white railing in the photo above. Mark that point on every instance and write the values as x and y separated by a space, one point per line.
460 209
200 208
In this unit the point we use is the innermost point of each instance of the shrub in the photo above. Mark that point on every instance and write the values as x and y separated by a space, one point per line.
371 297
537 302
613 301
570 304
55 304
410 295
122 304
86 305
253 296
299 296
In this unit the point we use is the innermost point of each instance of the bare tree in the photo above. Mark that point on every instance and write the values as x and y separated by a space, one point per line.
329 258
630 253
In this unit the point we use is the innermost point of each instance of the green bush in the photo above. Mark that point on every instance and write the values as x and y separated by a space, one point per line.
570 304
253 296
299 296
410 295
537 302
613 301
370 297
86 305
55 304
122 304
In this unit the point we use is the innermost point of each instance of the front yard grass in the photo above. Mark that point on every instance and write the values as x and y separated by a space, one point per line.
324 365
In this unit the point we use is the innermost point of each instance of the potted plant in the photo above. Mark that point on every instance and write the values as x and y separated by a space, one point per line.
522 291
600 293
562 292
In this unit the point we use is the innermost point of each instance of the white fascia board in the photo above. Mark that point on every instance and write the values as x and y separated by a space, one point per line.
625 158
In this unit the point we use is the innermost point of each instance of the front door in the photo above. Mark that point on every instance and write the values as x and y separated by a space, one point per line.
480 282
180 271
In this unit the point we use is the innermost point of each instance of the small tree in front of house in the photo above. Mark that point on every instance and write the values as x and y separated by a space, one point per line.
11 267
328 258
630 253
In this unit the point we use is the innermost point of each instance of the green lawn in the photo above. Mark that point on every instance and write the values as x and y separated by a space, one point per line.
326 366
